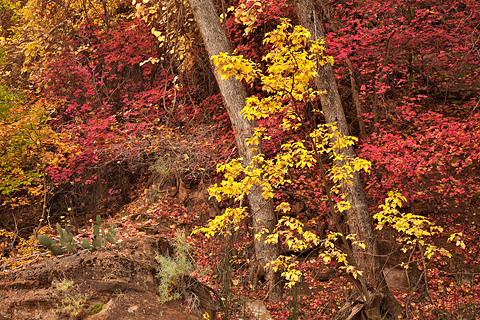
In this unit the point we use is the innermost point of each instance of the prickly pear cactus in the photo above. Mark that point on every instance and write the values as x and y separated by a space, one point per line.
69 244
85 244
47 242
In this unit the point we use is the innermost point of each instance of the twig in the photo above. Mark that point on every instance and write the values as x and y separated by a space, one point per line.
6 262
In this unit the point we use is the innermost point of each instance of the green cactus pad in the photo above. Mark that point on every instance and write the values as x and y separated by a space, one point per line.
110 238
45 240
96 242
68 235
112 231
96 230
56 250
86 244
59 228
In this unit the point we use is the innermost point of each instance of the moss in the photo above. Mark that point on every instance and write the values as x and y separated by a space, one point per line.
95 309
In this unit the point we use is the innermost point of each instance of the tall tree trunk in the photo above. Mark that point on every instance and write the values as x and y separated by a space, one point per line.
353 82
358 216
234 96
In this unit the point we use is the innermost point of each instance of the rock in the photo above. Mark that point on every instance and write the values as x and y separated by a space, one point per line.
122 278
259 310
396 278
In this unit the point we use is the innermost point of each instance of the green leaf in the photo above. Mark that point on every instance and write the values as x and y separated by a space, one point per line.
59 229
69 248
112 231
68 235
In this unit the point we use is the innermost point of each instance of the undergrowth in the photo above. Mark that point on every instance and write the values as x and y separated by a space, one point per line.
72 301
172 268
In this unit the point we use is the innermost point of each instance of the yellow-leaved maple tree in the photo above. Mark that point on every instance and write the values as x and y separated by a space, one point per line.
290 70
287 82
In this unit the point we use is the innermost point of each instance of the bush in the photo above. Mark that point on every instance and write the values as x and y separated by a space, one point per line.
172 270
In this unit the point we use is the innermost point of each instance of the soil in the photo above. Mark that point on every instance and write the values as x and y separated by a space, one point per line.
122 278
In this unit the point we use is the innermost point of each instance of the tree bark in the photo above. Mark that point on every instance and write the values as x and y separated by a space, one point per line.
234 96
358 216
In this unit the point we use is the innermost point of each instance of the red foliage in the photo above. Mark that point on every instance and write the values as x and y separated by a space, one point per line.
427 157
417 66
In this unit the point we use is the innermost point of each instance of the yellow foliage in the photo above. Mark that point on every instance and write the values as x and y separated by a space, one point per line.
164 16
457 237
222 223
37 22
30 146
414 228
291 67
26 250
246 14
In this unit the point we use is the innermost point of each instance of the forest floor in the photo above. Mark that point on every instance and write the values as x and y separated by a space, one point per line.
117 282
120 282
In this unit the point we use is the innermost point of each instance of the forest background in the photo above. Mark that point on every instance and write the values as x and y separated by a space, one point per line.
111 107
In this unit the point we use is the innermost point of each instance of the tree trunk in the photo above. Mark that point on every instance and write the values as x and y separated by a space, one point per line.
234 96
359 219
353 83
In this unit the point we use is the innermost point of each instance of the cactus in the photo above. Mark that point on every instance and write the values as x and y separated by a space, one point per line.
68 235
96 242
47 242
69 244
95 229
66 238
85 244
56 250
100 236
110 236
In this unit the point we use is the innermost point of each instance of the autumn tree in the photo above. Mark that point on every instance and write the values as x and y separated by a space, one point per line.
234 96
358 216
290 68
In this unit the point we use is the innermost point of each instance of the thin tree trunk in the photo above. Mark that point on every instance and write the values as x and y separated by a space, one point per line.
358 216
356 100
353 82
234 96
381 83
